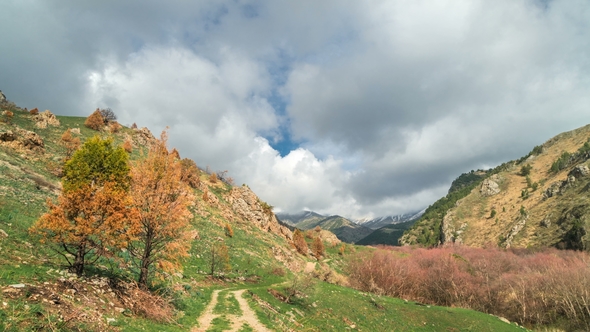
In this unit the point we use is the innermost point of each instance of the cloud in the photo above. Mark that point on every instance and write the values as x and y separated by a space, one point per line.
388 101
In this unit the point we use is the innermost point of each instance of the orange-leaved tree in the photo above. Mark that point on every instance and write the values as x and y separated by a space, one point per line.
162 201
317 247
299 242
95 120
94 211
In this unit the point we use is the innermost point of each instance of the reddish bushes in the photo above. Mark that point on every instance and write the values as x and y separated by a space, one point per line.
531 288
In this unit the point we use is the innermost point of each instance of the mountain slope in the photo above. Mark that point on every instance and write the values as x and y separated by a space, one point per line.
343 228
538 200
387 235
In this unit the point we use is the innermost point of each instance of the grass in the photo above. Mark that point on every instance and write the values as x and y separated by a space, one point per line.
335 308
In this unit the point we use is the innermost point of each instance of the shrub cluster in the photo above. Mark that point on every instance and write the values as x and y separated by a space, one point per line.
531 288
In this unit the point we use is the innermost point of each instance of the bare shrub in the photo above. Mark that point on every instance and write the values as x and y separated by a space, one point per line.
108 115
531 288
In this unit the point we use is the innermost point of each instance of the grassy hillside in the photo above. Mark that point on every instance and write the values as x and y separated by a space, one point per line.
38 293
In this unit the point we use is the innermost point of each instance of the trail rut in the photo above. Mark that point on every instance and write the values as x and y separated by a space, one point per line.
248 315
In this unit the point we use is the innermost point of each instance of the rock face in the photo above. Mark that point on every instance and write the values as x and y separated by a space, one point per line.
143 137
489 187
579 171
247 205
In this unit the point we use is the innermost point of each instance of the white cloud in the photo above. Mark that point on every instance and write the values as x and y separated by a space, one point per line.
390 99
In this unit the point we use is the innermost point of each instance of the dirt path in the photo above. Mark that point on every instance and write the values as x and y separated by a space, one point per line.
248 315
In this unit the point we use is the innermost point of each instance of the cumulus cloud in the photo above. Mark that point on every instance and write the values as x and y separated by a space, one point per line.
388 101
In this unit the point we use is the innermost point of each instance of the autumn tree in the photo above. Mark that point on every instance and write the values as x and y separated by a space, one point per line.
127 146
317 247
162 201
94 210
299 242
229 232
190 173
95 120
70 142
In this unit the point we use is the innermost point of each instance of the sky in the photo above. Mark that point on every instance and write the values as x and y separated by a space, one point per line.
357 108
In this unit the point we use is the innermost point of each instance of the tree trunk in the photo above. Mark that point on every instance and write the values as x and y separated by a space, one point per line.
145 263
78 266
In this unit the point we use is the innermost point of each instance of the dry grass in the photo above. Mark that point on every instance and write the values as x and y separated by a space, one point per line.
474 210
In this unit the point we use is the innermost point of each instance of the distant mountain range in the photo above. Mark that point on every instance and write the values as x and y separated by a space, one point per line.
379 222
352 231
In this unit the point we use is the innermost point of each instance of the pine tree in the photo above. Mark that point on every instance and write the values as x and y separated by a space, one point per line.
94 210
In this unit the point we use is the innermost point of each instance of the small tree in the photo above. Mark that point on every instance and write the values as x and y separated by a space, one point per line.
107 115
317 247
525 170
70 142
95 121
213 178
93 212
218 258
299 242
87 221
98 161
342 249
229 232
162 201
493 213
190 173
127 146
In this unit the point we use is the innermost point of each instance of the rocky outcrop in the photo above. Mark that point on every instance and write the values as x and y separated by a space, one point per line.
44 119
557 188
22 139
489 187
579 171
247 206
143 137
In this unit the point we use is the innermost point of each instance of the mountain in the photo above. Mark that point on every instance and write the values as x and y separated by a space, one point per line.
388 234
538 200
379 222
296 218
343 228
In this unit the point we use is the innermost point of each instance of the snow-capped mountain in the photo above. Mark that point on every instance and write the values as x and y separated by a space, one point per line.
379 222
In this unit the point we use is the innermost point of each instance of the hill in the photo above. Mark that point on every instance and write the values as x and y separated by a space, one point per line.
387 235
343 228
536 201
39 293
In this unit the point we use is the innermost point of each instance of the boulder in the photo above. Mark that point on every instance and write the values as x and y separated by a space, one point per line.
489 188
30 140
579 171
8 136
553 190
